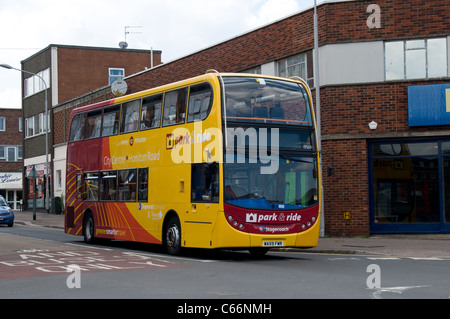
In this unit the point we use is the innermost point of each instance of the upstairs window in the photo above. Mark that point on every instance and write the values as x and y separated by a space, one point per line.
416 59
116 74
293 66
34 83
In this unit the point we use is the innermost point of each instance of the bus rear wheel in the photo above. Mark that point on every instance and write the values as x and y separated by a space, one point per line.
172 236
89 229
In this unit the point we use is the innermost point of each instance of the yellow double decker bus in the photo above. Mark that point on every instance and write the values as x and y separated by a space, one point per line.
216 161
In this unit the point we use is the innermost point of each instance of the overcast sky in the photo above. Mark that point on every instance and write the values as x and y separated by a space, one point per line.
176 27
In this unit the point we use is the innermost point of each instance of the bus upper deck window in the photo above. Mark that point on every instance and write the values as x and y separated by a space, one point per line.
130 116
77 128
93 124
175 107
111 121
200 102
151 112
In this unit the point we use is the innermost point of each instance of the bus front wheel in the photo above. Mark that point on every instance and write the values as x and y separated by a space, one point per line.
172 236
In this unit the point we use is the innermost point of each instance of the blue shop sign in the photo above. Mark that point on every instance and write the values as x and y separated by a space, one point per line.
429 105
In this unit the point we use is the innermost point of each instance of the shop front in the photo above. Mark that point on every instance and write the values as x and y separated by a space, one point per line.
409 186
39 183
11 188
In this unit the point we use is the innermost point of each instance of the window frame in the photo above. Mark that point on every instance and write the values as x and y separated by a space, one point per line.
410 51
190 118
120 182
126 111
179 104
81 130
91 176
148 101
202 170
143 191
288 67
113 175
115 77
114 109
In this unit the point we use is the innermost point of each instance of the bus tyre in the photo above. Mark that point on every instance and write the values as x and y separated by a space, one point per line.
172 236
89 229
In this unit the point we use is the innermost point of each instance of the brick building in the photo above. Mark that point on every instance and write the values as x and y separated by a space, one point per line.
68 71
11 162
385 63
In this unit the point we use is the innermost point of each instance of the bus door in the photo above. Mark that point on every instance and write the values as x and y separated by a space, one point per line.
204 205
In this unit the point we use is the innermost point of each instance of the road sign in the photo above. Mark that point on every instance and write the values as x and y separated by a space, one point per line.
33 173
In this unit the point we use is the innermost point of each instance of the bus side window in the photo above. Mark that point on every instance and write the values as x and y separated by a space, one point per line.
111 121
108 186
130 116
127 185
91 186
175 107
93 124
143 185
79 186
151 112
205 183
200 101
77 128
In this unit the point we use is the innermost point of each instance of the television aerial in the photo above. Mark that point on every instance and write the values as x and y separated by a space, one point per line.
124 44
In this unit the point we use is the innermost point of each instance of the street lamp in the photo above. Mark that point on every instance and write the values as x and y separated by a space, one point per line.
318 114
7 66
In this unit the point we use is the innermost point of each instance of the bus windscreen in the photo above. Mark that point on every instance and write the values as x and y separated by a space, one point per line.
266 101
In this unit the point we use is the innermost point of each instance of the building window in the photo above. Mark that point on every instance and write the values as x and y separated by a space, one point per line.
58 179
20 124
34 84
116 74
416 59
11 154
35 125
293 66
2 124
256 70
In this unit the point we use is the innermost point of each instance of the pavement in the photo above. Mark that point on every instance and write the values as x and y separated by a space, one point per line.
428 246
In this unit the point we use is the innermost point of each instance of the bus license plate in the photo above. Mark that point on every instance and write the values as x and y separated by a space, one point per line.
273 243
